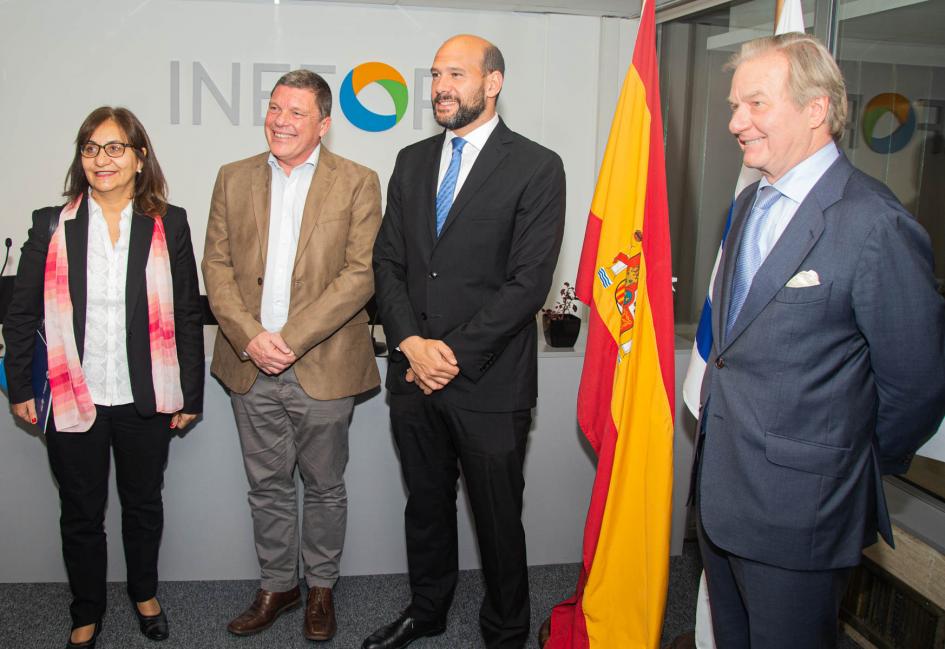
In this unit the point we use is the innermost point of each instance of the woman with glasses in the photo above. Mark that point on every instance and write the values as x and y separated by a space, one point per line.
109 279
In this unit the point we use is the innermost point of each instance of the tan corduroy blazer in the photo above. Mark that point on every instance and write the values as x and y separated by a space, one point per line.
332 279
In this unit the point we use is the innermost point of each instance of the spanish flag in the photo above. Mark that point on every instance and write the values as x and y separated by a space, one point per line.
626 399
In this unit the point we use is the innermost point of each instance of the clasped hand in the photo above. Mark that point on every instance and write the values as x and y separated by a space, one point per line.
432 363
270 353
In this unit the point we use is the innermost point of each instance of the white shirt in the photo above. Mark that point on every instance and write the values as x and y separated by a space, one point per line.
105 358
287 195
794 186
475 140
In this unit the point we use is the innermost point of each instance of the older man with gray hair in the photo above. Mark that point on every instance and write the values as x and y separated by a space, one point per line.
826 366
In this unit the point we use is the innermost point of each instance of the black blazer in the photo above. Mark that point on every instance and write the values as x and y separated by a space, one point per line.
479 285
26 307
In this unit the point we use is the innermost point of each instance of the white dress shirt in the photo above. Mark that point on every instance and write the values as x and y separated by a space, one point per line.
105 358
794 186
287 195
475 140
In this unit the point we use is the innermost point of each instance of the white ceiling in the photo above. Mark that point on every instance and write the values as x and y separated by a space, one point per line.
620 8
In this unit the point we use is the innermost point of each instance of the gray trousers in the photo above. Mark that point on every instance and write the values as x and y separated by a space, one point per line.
281 427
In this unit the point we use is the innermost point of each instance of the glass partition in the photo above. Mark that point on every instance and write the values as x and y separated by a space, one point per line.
702 158
892 55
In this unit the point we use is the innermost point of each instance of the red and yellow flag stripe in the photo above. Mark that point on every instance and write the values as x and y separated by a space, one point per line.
626 398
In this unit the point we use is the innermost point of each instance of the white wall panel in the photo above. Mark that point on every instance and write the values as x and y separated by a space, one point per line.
59 59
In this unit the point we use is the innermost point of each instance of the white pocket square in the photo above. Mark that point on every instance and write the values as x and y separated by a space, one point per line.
804 279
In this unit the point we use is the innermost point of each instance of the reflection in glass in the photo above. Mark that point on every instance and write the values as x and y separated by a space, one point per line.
893 59
702 158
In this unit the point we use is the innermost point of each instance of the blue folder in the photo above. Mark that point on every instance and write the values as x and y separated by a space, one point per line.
42 395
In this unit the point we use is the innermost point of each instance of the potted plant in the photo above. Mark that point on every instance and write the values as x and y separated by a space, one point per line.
560 325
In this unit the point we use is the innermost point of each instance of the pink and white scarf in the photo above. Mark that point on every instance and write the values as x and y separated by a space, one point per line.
72 404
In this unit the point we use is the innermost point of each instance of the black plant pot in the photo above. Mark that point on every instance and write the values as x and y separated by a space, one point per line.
562 331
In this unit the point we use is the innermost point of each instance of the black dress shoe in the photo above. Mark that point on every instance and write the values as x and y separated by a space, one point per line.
153 627
88 644
402 632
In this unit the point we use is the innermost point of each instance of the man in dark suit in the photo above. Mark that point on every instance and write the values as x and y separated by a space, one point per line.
827 366
463 262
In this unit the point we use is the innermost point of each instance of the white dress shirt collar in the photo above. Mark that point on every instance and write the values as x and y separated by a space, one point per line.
475 141
801 178
311 161
476 137
95 208
794 187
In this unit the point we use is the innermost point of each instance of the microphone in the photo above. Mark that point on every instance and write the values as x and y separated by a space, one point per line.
6 284
8 242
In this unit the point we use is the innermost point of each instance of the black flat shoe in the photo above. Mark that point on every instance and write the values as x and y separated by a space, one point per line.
153 627
88 644
402 631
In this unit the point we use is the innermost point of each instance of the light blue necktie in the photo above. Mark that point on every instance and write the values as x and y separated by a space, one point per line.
749 256
444 197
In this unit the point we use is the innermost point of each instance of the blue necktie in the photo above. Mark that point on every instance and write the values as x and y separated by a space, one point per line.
749 256
444 197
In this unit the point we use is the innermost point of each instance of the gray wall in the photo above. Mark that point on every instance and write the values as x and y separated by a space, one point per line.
208 531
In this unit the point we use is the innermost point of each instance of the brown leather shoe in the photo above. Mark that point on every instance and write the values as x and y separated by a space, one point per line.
320 614
264 610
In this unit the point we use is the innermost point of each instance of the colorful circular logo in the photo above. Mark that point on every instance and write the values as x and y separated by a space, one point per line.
901 110
386 77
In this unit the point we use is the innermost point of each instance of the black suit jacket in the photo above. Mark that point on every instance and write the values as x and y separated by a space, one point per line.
480 283
26 308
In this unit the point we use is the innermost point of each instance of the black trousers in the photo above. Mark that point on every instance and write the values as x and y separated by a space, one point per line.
80 464
434 440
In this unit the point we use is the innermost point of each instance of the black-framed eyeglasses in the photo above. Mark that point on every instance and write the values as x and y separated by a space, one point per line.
112 149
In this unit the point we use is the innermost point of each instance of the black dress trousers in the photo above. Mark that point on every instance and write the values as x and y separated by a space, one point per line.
435 439
80 463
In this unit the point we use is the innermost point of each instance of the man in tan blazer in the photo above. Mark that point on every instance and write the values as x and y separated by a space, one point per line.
287 266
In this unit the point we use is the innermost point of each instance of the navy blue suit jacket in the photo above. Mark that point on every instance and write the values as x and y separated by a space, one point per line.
819 390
